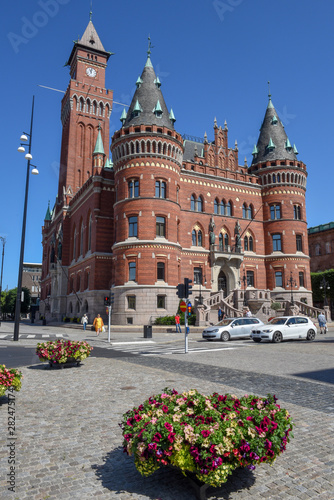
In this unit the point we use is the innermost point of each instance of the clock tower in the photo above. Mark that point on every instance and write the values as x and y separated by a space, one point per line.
85 111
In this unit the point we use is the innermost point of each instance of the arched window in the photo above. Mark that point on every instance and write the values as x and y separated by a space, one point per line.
278 177
197 238
192 203
274 178
89 242
101 109
200 204
81 237
74 253
216 206
250 212
250 241
244 211
228 208
94 107
246 243
221 242
88 105
226 240
81 104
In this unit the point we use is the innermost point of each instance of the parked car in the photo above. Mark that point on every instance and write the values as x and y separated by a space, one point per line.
231 328
284 328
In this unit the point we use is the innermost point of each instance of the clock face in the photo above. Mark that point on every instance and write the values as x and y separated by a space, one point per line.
91 72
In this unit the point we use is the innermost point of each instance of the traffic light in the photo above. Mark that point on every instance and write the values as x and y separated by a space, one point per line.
106 300
187 287
180 291
189 307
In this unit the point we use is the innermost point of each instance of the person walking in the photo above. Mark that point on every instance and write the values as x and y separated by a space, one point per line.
322 323
84 321
98 324
220 314
177 323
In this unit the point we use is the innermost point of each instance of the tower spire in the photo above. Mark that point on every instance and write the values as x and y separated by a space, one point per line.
91 10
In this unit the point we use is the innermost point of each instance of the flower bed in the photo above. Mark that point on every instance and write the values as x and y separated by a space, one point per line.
209 436
9 377
63 350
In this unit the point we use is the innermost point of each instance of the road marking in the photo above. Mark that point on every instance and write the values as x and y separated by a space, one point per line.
137 342
59 334
31 336
45 336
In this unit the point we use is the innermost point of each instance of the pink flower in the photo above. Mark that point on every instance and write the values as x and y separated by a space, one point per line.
205 433
168 426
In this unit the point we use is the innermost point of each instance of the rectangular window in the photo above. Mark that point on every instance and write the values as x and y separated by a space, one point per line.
197 275
133 226
161 301
277 242
275 212
299 243
161 271
131 301
160 189
278 278
133 186
250 278
297 212
161 226
132 271
301 279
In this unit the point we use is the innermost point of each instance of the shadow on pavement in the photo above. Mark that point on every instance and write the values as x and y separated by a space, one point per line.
119 475
319 375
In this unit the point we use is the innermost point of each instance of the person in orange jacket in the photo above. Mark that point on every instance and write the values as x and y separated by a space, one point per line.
98 324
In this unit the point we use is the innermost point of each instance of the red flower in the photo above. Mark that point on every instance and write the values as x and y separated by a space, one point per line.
205 433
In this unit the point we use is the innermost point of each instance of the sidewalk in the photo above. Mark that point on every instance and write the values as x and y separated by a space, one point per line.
69 444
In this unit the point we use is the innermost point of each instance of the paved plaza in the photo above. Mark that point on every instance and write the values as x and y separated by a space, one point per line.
69 443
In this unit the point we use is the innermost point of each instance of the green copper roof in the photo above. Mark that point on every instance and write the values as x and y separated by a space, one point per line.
171 116
157 82
271 145
274 120
148 63
270 104
295 149
255 150
123 116
109 163
48 213
157 108
99 149
287 144
139 82
137 106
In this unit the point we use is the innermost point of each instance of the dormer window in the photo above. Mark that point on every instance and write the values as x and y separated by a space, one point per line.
274 120
157 82
139 82
287 145
271 146
157 109
137 109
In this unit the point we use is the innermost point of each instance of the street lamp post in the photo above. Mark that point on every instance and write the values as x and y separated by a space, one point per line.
2 259
34 171
324 285
291 282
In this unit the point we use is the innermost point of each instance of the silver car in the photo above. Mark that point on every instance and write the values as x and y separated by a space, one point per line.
284 328
231 328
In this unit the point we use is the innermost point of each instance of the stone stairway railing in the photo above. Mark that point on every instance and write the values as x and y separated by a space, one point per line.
213 302
312 312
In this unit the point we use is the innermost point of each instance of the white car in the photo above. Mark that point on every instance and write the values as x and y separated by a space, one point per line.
284 328
231 328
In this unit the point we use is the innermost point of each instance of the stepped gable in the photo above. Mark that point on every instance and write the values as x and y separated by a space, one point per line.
273 143
148 106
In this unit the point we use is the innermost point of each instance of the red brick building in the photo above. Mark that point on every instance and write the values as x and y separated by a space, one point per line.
321 247
166 206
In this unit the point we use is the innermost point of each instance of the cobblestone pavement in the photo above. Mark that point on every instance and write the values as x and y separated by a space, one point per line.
68 442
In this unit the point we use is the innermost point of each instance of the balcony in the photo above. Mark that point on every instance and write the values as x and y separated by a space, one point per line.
232 254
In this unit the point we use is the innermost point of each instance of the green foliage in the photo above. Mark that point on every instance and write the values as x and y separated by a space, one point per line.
8 300
275 306
316 279
170 320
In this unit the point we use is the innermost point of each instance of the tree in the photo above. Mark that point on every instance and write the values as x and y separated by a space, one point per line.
8 300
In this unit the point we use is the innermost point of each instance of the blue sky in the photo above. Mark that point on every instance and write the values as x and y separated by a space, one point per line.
214 59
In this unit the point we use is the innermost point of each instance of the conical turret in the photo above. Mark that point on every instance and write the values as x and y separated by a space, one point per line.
273 143
148 106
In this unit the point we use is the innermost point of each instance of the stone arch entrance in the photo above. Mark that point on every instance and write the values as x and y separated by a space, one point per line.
222 282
